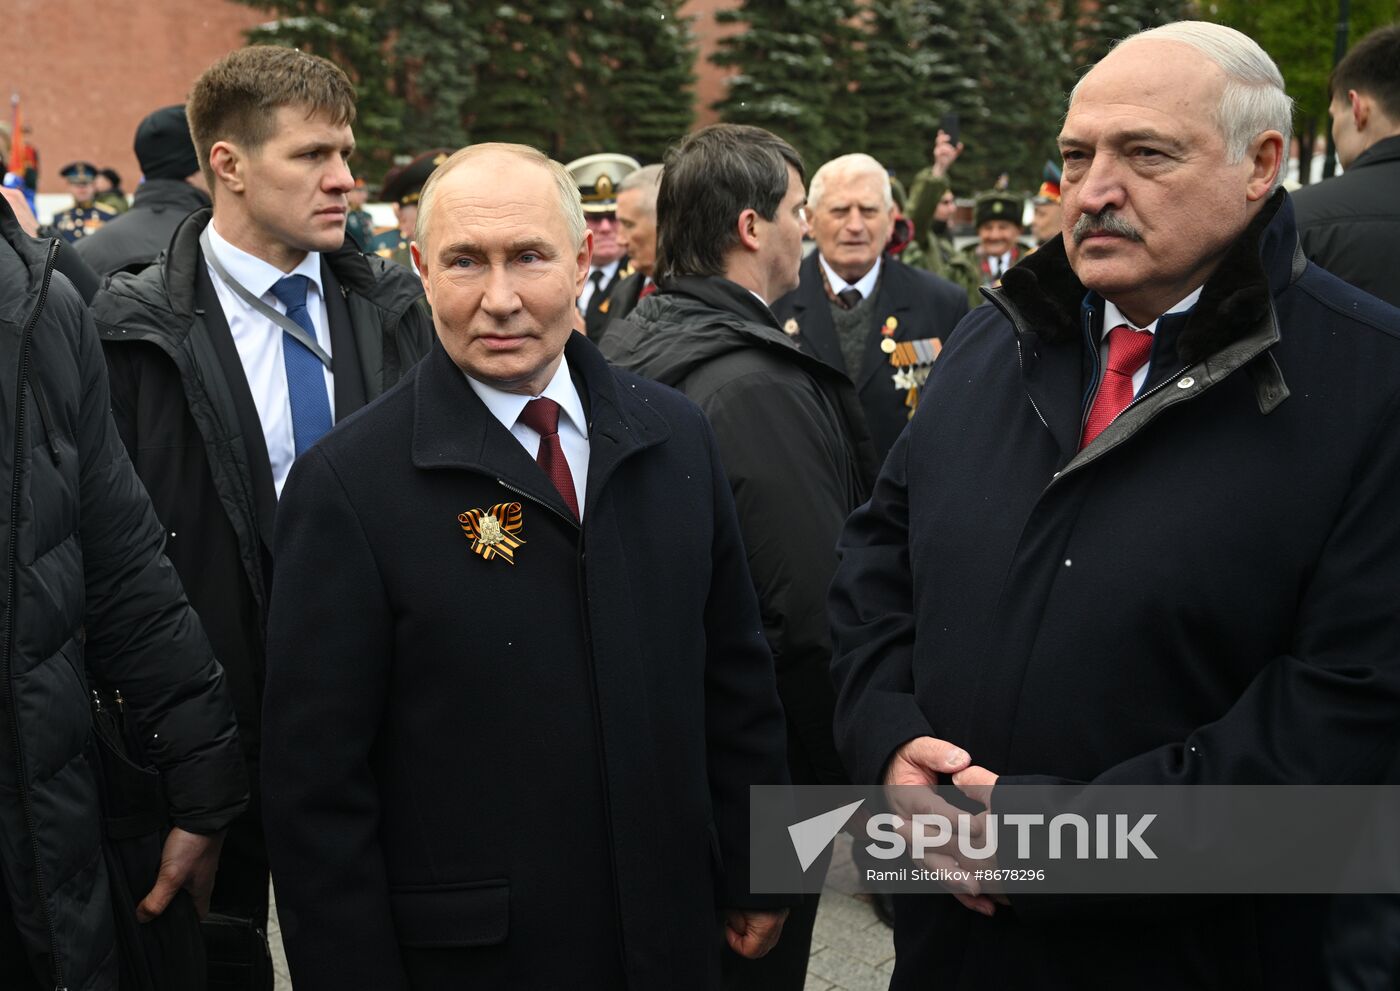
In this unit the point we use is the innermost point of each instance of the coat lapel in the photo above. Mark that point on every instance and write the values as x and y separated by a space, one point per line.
345 357
891 301
812 311
454 429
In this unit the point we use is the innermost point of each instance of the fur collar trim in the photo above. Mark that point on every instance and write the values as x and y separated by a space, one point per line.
1047 295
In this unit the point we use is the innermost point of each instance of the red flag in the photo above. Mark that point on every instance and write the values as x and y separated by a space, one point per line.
19 151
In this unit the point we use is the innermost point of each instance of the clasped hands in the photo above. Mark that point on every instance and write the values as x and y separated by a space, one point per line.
911 775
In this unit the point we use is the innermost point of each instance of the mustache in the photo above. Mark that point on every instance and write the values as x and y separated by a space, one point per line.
1104 222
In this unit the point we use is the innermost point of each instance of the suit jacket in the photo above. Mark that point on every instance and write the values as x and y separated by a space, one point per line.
621 301
513 775
924 305
596 318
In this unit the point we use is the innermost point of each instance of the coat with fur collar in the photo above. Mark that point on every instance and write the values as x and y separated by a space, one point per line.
1203 595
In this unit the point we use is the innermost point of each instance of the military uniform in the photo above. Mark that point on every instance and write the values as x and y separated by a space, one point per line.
598 177
83 217
928 250
997 205
402 187
359 225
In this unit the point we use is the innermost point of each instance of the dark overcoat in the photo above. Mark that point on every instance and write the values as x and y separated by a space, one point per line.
922 304
534 774
1206 594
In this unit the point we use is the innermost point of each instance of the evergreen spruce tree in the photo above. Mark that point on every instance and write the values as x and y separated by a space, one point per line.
650 98
352 36
793 59
1015 52
952 58
437 52
526 83
900 122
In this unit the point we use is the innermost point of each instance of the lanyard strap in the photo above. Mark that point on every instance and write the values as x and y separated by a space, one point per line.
239 290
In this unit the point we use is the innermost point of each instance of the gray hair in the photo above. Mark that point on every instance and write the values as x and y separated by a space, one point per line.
1253 100
570 203
648 180
855 164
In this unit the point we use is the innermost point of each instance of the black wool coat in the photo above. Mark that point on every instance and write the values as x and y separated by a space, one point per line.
923 305
1203 595
513 775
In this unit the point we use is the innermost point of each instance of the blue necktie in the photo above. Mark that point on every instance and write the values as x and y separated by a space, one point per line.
306 385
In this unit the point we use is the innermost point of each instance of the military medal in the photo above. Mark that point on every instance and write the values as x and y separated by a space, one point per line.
887 341
494 532
790 327
912 361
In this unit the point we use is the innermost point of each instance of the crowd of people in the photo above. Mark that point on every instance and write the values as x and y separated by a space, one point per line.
463 577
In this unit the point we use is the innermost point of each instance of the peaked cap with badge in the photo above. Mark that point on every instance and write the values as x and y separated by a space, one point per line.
402 187
598 177
80 220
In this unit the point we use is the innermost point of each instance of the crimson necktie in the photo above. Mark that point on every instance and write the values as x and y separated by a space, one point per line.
542 416
1127 352
647 290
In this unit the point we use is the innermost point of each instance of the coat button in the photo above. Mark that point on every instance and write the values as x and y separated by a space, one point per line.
1186 382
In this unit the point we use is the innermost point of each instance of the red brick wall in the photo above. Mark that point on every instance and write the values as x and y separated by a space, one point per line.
709 83
88 72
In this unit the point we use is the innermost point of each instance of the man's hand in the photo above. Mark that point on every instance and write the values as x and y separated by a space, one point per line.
922 759
23 214
187 861
945 153
752 933
918 763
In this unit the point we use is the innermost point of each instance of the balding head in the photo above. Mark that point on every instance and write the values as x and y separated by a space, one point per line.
503 252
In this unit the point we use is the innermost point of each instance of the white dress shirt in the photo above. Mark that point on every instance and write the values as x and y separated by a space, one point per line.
866 283
592 283
573 423
1113 317
259 342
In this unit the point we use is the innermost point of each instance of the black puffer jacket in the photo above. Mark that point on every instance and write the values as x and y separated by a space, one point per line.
1350 225
798 456
87 589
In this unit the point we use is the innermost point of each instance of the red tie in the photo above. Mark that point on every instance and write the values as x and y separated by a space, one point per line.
1127 351
647 290
542 416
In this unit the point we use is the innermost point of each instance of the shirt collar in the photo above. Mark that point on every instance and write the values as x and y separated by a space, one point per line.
507 406
1113 317
866 283
608 270
256 275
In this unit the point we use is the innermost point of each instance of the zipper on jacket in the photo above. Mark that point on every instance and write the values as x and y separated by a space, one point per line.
11 580
598 715
1022 363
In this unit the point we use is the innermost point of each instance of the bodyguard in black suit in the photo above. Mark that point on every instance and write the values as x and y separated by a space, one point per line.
852 300
518 687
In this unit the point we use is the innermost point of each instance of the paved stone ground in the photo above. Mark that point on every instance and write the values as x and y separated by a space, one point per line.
851 949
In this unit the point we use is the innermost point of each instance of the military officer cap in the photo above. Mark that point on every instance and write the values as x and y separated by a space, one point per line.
1049 191
77 172
997 205
597 177
404 185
